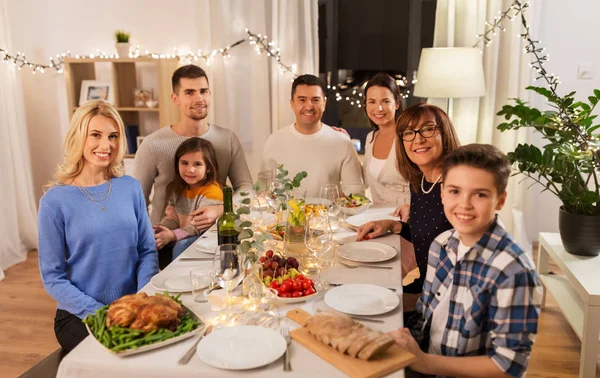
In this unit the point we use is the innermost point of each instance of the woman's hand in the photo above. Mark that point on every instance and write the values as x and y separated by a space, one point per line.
163 236
403 211
375 229
403 338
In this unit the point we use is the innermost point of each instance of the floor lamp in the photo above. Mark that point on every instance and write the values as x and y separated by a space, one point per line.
450 72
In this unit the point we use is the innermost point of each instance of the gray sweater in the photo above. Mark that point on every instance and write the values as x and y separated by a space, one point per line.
154 163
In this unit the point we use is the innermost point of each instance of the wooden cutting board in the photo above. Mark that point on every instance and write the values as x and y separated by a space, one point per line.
395 358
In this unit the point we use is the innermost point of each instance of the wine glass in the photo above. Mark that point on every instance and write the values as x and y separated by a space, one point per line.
228 269
318 239
275 197
330 195
256 215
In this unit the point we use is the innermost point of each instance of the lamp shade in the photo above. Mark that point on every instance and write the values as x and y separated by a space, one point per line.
450 72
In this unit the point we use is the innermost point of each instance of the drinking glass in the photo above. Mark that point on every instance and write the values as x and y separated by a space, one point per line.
329 196
318 239
228 269
276 198
200 279
273 194
256 214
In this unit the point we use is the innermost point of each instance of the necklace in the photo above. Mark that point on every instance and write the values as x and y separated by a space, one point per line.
432 185
91 196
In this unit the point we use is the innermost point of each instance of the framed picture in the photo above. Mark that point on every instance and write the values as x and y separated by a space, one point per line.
95 90
141 96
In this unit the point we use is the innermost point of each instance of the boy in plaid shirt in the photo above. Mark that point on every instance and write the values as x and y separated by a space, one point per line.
479 310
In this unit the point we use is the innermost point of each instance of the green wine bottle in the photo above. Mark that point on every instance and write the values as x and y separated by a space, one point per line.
226 232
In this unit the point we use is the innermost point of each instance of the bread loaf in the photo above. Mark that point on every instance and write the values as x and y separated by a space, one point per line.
347 336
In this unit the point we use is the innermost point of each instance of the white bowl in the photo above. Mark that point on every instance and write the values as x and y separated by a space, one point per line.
355 210
291 300
151 103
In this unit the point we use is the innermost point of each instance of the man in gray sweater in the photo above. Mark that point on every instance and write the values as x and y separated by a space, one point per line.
154 160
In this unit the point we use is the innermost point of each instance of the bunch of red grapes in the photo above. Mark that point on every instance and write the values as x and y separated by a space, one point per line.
275 266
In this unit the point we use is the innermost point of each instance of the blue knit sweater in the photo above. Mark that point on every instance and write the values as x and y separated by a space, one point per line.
89 258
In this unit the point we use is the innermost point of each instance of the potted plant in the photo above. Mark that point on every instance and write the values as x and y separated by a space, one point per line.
568 166
122 43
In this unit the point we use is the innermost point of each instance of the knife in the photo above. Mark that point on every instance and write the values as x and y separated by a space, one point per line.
363 318
196 259
188 355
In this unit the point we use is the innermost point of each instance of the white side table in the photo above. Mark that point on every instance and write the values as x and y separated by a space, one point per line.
577 292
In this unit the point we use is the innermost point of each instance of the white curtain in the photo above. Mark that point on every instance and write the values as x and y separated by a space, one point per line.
18 223
249 95
507 74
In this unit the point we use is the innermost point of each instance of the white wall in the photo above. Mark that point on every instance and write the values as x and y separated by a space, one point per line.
44 28
567 30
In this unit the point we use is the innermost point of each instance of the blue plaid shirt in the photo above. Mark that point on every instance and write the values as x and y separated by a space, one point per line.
495 299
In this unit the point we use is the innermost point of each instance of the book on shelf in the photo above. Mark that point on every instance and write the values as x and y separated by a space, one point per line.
131 133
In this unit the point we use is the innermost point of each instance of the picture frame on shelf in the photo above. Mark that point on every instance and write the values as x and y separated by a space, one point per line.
141 96
95 90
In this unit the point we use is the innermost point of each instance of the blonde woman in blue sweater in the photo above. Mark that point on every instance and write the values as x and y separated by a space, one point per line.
96 242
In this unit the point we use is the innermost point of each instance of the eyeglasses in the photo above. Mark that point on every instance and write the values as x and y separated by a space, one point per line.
409 135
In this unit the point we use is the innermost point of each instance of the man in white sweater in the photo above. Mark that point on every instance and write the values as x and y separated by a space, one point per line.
154 160
309 145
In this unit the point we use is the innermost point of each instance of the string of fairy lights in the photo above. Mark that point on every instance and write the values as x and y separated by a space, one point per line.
56 63
353 94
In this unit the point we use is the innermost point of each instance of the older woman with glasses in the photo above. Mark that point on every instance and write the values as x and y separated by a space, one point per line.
427 137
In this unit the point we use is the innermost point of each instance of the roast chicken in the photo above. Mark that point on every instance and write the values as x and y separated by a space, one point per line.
347 336
143 312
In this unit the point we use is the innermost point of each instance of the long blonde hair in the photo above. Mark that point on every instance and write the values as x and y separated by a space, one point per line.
77 135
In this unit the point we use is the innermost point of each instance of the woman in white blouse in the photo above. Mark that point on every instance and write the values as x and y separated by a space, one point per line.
388 187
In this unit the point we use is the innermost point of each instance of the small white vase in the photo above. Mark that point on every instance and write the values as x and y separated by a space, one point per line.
123 49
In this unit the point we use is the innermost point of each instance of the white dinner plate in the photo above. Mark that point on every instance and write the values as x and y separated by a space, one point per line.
365 251
208 244
362 299
174 280
241 347
371 214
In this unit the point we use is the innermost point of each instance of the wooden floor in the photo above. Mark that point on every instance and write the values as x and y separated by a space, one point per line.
27 336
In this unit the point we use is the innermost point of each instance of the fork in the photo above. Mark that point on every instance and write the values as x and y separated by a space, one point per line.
285 332
365 266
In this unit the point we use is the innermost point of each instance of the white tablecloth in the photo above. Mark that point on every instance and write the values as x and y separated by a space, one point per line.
90 359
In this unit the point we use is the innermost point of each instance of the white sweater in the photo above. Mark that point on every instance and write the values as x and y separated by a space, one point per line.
327 156
389 185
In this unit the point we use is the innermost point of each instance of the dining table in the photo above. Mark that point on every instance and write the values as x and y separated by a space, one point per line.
90 359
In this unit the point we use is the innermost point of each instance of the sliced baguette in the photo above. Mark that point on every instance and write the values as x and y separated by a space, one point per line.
380 344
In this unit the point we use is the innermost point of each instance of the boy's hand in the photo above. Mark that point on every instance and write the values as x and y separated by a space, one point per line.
205 216
374 229
403 338
163 236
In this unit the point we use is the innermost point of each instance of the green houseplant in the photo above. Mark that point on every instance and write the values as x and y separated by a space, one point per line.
567 166
122 43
